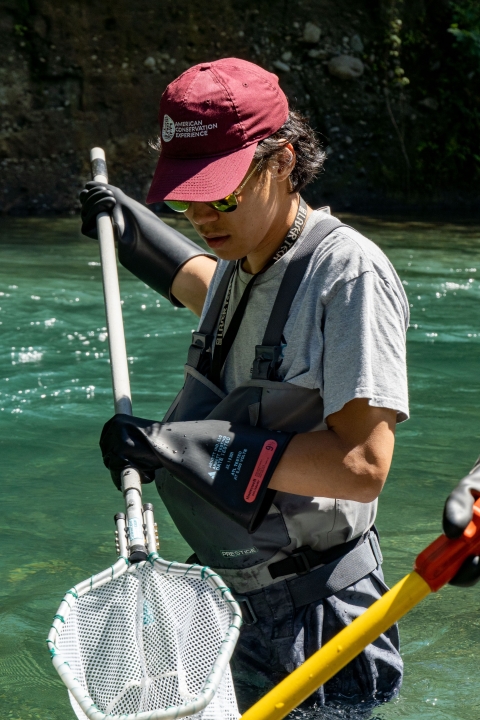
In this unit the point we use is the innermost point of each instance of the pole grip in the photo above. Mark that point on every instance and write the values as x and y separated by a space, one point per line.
98 165
131 481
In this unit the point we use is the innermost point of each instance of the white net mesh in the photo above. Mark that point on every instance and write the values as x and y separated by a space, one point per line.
148 641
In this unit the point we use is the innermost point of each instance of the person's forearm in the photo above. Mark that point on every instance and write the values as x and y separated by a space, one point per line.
191 282
319 464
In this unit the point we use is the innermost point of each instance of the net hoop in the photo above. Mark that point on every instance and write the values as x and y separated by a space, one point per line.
122 566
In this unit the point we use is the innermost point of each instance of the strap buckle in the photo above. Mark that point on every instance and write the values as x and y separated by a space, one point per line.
251 618
202 340
267 360
302 563
201 345
375 545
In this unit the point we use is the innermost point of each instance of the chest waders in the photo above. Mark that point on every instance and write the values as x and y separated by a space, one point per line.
324 544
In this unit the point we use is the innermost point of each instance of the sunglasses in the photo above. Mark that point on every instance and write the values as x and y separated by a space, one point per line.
226 204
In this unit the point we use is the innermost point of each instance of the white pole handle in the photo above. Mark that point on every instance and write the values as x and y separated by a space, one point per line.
131 482
111 291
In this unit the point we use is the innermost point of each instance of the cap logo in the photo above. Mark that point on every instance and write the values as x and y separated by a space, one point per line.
185 129
168 129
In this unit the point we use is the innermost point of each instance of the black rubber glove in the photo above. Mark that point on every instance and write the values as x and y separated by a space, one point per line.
457 514
227 465
99 197
148 247
123 445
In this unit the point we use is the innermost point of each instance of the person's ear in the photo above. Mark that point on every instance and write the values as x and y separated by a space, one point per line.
282 164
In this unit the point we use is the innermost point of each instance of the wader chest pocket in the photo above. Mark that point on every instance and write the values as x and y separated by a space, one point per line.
217 540
196 399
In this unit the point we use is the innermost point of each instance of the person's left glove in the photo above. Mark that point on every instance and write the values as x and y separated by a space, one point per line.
457 514
227 465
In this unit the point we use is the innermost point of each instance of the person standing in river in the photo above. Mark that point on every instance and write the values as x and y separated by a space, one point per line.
271 459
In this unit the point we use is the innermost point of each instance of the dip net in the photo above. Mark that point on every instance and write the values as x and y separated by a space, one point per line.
146 641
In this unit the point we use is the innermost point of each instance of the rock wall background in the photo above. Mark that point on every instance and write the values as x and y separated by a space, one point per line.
392 86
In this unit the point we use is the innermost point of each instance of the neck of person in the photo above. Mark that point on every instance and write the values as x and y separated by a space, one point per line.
256 260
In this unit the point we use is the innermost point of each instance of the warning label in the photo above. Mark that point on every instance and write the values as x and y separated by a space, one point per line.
261 467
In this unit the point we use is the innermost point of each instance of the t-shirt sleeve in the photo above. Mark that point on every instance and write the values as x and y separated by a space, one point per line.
364 346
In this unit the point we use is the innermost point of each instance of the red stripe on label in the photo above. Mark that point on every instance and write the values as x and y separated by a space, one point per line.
264 460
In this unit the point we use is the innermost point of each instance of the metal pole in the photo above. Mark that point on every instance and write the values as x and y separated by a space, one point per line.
131 483
150 528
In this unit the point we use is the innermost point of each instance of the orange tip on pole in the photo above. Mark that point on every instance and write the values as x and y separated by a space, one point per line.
441 560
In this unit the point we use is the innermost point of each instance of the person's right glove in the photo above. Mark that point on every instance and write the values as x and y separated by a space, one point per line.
148 247
226 464
99 197
457 514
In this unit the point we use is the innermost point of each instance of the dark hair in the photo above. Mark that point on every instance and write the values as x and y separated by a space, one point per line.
309 154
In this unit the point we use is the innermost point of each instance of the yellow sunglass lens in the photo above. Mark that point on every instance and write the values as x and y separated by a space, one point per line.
177 205
226 204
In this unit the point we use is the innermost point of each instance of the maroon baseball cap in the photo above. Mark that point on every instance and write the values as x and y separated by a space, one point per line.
212 118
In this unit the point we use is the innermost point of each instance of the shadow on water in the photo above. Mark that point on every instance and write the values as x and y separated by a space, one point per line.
58 501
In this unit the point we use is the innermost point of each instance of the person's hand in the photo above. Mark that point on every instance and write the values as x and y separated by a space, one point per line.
123 444
229 466
457 514
97 197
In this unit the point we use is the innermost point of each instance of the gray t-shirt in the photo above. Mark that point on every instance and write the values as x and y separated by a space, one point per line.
345 334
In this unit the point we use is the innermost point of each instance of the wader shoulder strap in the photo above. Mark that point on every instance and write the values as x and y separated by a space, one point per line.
268 354
225 339
202 340
222 348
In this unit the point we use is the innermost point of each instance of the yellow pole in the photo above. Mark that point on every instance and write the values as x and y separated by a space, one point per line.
333 656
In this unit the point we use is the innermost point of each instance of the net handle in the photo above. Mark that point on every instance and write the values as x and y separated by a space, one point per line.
131 481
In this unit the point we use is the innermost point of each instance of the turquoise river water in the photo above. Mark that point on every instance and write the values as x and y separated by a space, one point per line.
58 501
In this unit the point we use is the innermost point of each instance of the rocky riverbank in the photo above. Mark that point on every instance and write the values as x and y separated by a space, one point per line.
379 81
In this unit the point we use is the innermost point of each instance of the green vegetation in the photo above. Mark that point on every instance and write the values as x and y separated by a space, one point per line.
441 51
